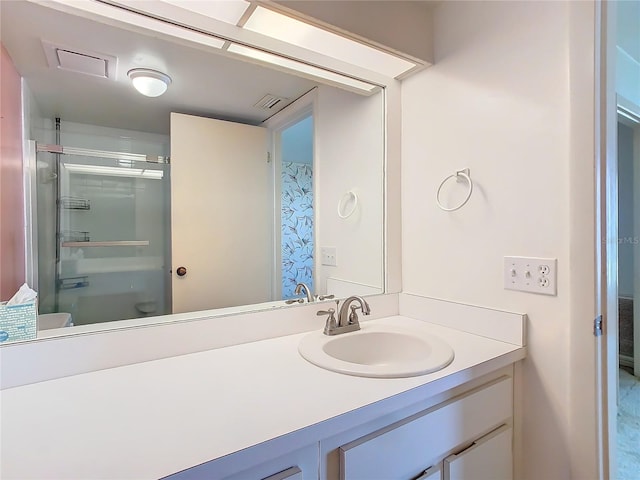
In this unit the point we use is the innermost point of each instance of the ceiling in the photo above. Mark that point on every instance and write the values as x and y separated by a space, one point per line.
203 83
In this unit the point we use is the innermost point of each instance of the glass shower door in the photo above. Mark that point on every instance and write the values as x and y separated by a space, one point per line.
112 238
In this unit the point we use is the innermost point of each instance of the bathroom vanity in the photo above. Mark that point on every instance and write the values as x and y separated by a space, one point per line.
259 410
464 433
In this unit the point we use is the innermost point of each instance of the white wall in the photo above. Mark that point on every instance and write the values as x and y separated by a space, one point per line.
401 25
627 85
113 139
627 242
297 142
498 101
349 156
628 52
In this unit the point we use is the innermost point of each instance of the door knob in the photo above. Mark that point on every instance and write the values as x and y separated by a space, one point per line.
181 271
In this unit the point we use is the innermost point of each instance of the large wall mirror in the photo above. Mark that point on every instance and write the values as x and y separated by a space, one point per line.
242 187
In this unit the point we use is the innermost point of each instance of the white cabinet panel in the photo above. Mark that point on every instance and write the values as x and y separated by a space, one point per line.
489 458
403 450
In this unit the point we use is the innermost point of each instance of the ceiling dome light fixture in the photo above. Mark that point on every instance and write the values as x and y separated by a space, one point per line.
150 83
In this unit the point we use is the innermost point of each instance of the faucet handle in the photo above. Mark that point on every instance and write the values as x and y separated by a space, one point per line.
326 297
294 300
331 324
353 316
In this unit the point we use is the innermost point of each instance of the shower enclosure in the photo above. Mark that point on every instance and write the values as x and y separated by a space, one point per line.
103 234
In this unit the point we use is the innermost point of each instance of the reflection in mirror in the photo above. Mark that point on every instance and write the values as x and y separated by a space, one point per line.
222 193
296 208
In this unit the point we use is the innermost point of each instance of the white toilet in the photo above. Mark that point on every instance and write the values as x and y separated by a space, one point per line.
54 320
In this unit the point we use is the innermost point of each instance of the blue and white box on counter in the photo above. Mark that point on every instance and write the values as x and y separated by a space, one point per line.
18 322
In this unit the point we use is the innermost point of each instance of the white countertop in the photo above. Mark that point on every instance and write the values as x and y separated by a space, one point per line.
153 419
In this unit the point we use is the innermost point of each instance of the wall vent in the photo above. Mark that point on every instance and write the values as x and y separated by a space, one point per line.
80 61
271 102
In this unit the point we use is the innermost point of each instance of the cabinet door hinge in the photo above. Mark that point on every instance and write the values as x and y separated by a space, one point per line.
268 157
597 326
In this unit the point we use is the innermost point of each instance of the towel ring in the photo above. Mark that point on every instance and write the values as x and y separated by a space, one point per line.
350 195
464 173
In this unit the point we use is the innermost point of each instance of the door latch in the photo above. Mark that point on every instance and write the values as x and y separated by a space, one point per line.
597 326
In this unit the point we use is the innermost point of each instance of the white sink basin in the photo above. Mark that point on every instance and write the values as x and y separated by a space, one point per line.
377 350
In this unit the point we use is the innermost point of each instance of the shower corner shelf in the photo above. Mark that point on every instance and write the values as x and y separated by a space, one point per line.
74 203
73 282
72 236
109 243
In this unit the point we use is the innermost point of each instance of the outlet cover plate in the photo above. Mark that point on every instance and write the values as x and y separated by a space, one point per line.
328 256
531 274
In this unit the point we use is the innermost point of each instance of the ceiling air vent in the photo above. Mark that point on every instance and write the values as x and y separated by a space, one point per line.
271 102
80 61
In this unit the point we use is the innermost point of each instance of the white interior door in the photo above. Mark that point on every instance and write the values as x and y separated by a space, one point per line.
221 214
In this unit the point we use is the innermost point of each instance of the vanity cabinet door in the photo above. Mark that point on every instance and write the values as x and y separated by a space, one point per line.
489 458
404 450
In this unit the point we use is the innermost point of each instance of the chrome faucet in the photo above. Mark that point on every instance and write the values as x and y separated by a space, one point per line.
307 290
352 318
347 320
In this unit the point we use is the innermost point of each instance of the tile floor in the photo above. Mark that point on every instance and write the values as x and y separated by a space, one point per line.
628 426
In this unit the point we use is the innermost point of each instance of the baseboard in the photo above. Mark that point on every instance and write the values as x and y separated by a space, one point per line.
625 361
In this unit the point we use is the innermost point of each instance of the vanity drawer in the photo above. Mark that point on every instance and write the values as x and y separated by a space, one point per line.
293 473
405 449
488 458
268 461
431 473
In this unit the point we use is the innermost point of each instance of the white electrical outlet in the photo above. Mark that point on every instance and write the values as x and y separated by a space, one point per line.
530 274
328 256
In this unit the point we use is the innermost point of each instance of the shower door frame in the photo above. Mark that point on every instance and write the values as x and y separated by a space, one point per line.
31 214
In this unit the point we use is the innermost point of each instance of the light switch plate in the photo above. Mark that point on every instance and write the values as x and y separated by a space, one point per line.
531 274
328 256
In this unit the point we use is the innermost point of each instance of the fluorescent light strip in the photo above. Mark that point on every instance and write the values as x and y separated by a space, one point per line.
301 67
228 11
195 37
114 171
275 25
119 14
